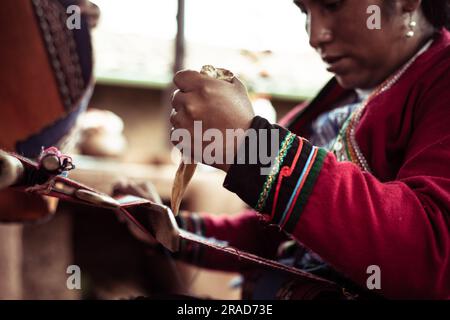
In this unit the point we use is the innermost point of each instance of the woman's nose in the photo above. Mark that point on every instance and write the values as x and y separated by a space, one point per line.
319 33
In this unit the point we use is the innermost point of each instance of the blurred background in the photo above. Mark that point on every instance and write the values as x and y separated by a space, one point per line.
263 41
123 61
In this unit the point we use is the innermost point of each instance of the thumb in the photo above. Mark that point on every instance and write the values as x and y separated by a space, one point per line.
239 84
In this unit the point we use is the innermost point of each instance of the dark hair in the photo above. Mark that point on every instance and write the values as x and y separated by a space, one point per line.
437 12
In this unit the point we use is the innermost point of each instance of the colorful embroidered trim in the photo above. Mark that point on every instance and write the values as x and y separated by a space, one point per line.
285 173
347 134
301 181
285 146
309 180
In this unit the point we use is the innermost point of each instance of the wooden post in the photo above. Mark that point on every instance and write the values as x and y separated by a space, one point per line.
178 62
180 40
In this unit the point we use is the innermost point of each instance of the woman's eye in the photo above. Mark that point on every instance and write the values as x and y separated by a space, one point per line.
332 5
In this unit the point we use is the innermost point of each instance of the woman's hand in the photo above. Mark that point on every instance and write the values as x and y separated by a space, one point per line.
216 104
144 190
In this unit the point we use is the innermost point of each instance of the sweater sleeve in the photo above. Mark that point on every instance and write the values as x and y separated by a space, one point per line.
353 220
245 231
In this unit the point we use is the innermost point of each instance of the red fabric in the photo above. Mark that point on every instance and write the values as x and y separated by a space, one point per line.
397 217
246 231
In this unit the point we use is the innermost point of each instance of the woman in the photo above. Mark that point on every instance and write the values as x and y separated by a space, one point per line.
371 185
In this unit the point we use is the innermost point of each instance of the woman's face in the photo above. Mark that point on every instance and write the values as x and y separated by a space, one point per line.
359 57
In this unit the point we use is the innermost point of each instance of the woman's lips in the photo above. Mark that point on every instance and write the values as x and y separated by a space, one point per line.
336 64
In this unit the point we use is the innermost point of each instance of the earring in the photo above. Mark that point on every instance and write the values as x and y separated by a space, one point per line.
412 24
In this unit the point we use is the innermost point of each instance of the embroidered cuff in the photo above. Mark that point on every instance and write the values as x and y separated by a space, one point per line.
282 189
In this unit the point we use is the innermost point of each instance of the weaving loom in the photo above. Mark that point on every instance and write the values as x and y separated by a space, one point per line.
46 83
24 175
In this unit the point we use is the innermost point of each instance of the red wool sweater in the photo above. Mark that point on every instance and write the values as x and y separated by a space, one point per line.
396 217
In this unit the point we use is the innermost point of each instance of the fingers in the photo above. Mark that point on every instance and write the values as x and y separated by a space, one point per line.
179 113
178 118
188 80
155 194
179 99
119 187
144 190
126 188
149 189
